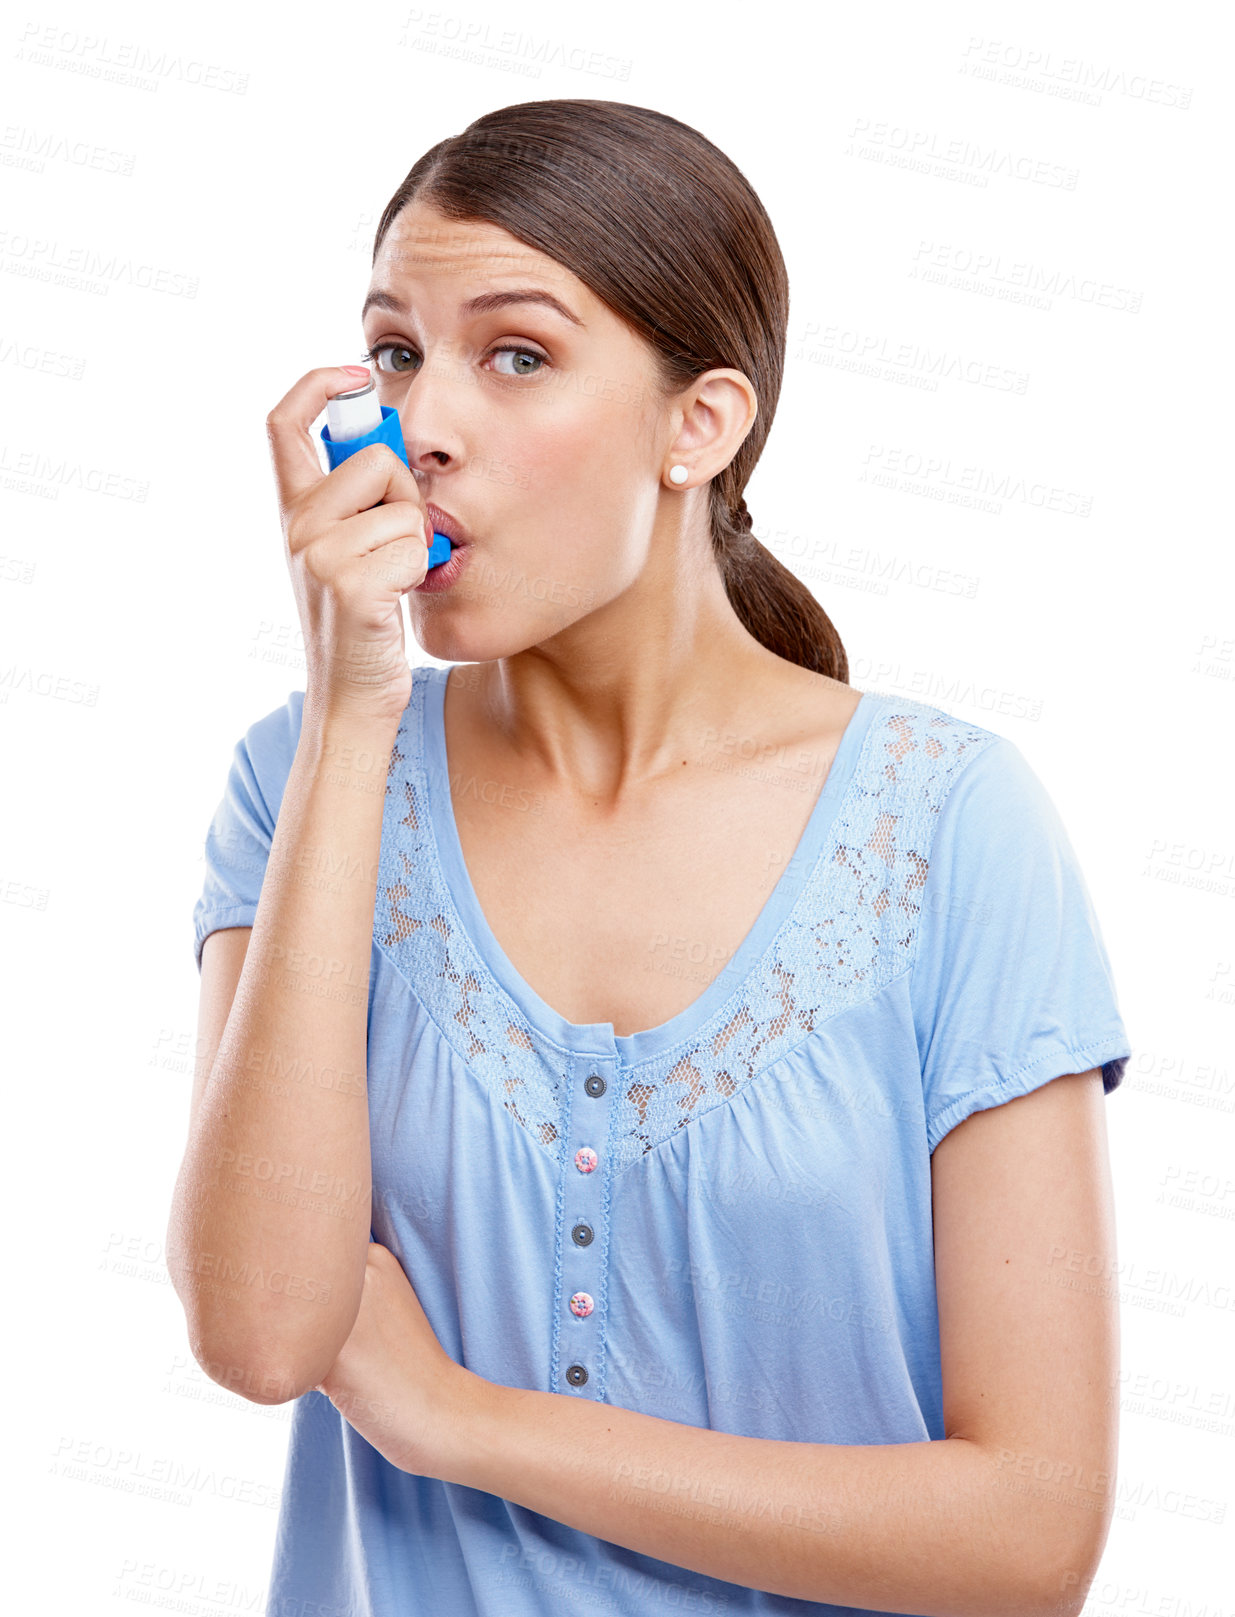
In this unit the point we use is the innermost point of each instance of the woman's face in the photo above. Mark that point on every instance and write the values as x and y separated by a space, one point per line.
543 434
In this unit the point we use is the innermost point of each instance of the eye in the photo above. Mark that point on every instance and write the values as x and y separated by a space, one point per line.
523 353
401 358
404 360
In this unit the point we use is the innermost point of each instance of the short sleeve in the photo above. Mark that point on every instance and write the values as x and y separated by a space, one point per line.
1010 984
241 833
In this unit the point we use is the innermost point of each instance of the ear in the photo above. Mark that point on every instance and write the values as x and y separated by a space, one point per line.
717 410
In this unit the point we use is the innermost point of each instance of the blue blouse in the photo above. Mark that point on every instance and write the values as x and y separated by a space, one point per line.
724 1220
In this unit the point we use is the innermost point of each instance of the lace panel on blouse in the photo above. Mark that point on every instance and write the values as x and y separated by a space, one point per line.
850 932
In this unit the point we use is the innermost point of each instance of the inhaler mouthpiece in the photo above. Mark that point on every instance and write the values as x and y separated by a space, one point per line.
354 420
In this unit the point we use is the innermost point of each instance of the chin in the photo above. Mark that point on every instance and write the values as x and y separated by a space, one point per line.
467 643
488 615
488 640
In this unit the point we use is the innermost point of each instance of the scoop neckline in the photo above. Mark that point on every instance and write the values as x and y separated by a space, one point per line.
599 1038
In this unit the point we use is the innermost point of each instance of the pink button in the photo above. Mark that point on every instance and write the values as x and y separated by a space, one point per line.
586 1159
581 1304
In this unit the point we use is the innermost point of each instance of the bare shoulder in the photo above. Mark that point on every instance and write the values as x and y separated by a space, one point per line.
813 708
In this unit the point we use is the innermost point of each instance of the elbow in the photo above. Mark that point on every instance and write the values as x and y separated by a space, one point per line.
226 1353
1039 1549
257 1379
246 1354
1063 1579
1068 1592
1064 1594
1051 1589
1036 1561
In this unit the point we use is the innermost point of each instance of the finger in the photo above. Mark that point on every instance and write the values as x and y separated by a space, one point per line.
372 475
372 530
296 466
401 559
367 533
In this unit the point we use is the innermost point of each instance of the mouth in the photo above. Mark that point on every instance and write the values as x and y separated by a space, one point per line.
442 522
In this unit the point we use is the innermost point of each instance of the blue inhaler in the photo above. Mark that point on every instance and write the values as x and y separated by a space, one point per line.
354 420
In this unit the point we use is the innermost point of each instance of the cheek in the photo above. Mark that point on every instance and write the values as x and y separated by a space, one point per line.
559 444
573 502
585 456
571 478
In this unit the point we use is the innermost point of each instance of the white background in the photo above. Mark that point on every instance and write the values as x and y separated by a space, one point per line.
184 238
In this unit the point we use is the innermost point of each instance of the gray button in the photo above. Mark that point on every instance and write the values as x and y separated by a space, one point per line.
581 1235
576 1375
595 1085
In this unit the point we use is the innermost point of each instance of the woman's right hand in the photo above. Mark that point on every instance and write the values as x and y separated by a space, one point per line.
351 559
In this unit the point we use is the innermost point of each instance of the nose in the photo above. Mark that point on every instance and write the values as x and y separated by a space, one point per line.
429 413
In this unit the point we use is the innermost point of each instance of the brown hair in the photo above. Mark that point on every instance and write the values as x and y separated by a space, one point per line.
665 230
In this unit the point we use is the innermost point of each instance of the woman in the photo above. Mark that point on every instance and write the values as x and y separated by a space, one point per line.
649 1113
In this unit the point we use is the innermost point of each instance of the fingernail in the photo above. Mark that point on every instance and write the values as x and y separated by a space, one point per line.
356 370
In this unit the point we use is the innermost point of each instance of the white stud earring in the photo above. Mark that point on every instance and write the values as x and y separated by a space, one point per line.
678 474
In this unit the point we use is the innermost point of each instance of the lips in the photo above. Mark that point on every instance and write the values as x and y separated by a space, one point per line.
442 522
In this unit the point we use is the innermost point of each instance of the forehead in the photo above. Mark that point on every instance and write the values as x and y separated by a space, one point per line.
422 245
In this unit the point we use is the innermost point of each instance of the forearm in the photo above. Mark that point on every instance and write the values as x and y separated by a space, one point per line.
928 1527
270 1222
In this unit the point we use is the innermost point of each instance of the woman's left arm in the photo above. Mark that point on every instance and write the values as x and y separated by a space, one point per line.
1008 1513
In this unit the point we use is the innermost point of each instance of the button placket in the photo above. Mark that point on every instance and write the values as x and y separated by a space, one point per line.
581 1259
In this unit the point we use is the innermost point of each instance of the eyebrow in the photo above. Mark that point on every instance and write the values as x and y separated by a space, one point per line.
484 304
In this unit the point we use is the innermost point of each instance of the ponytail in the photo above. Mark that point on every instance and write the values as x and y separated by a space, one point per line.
772 603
